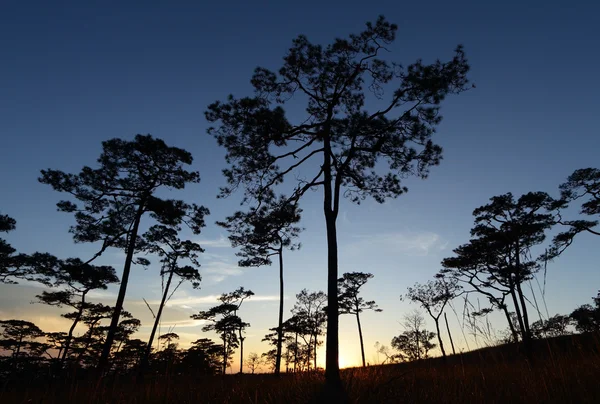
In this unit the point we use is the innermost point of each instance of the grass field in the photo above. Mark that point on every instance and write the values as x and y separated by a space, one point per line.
562 370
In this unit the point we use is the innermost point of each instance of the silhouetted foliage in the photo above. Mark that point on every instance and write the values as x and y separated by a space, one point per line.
164 242
587 316
114 197
415 342
556 326
37 267
204 357
79 279
433 297
498 257
253 362
310 315
338 137
351 303
582 184
225 322
263 232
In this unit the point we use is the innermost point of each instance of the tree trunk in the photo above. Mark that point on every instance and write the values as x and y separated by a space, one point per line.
518 313
511 326
449 334
146 357
439 335
362 347
527 330
418 347
241 352
280 323
122 290
315 358
224 353
72 329
330 208
296 354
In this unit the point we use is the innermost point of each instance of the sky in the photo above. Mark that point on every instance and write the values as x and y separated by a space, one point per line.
76 73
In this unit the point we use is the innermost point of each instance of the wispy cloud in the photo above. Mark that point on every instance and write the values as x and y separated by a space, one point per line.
217 271
186 323
407 242
191 301
221 242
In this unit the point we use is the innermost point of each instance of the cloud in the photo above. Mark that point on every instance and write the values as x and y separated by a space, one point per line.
186 323
191 301
221 242
217 271
408 242
101 294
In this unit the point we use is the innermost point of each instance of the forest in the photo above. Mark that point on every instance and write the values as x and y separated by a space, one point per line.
345 152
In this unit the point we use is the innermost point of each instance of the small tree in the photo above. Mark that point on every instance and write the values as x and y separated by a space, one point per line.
310 317
253 361
433 297
262 233
225 321
115 196
165 242
415 342
204 356
79 278
556 326
587 316
17 335
350 303
337 141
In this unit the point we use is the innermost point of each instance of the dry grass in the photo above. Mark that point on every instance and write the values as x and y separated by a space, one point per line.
499 375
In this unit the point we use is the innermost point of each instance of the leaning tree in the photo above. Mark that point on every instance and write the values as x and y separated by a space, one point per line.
114 197
337 144
433 297
165 243
351 303
262 233
505 231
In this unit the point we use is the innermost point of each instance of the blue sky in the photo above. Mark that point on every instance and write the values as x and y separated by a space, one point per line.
76 73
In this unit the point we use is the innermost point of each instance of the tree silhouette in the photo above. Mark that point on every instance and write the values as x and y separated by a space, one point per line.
350 303
581 184
225 321
17 335
505 231
79 278
115 196
36 267
555 326
7 263
262 233
433 297
477 266
253 362
204 356
415 342
587 317
164 242
338 139
310 317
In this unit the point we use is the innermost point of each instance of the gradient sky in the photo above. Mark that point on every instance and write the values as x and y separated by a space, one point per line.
73 74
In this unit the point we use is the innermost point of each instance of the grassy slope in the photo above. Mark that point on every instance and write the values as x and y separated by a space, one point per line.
562 370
